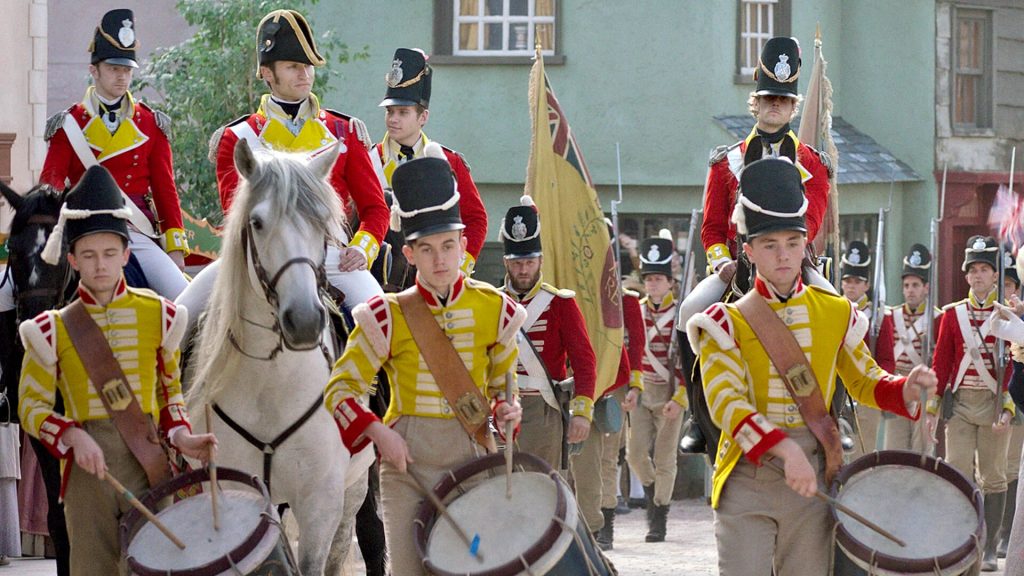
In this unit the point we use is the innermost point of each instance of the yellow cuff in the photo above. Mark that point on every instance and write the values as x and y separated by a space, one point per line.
468 263
680 398
367 244
636 380
933 405
175 240
717 252
582 406
1008 404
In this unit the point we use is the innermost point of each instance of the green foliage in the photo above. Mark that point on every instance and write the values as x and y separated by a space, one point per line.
210 79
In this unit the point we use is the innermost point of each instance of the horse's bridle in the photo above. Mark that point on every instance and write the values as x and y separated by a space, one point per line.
269 285
57 295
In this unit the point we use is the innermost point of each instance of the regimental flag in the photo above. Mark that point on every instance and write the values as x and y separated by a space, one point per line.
203 238
816 130
577 247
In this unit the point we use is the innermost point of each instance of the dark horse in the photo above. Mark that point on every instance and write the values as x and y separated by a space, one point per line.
38 286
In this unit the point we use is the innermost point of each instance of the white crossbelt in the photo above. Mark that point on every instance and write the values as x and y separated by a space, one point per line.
905 343
973 355
652 332
81 147
536 377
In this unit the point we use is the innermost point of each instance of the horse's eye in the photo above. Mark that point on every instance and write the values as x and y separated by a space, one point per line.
256 222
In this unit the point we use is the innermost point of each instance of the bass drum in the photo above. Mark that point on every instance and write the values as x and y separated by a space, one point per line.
250 540
539 530
922 501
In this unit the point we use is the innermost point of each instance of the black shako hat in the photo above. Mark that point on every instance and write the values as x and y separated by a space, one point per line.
656 255
426 200
771 198
520 230
94 205
286 35
778 68
981 249
857 261
918 262
114 41
408 80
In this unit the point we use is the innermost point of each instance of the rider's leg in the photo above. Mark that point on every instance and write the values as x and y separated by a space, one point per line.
162 273
196 296
358 286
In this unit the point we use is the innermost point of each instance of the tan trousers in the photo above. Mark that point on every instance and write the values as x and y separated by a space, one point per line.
760 522
1013 452
649 429
970 440
868 421
610 447
586 472
904 434
93 509
540 432
436 446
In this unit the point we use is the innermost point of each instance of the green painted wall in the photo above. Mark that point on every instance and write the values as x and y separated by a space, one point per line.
652 78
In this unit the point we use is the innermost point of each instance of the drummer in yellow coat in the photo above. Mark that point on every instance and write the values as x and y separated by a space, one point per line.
761 522
420 434
143 331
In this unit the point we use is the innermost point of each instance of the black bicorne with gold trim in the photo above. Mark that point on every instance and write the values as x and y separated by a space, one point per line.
857 261
917 262
771 198
778 68
408 79
114 41
425 198
286 35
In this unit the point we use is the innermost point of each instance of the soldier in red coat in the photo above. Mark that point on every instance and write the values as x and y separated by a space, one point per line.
407 103
965 362
290 119
774 103
131 140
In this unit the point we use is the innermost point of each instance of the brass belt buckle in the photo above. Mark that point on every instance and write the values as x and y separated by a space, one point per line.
117 395
471 409
799 378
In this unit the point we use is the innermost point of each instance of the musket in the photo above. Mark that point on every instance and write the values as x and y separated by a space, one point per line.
1000 359
615 221
928 346
878 287
689 269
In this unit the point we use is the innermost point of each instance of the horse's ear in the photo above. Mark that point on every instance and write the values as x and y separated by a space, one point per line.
245 160
322 164
13 198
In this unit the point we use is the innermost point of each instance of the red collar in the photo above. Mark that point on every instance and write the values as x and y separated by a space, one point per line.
87 297
765 289
433 300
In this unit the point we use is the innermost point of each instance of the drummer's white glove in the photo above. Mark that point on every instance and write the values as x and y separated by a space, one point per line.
1006 325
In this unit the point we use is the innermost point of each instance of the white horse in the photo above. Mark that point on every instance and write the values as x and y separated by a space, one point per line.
263 359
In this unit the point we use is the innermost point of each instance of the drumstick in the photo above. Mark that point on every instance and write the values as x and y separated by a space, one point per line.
213 472
509 431
846 510
474 544
142 508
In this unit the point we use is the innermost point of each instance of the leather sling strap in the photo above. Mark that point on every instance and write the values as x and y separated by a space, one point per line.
453 379
114 390
791 364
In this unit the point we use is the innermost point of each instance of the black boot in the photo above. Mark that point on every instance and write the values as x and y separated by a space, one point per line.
649 501
993 518
693 441
607 532
1008 510
656 526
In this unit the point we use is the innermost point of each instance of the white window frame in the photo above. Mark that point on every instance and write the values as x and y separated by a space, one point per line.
531 19
760 34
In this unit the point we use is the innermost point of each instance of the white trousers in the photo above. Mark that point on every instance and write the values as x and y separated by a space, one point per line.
162 274
358 286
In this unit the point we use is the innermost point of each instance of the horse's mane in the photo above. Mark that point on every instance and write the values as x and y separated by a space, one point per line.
296 193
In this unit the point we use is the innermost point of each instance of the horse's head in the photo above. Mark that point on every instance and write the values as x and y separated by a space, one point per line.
38 286
285 214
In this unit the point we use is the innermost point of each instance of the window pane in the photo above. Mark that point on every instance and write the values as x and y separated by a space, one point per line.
518 7
969 53
468 7
492 37
494 7
544 8
966 99
467 37
519 36
546 34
